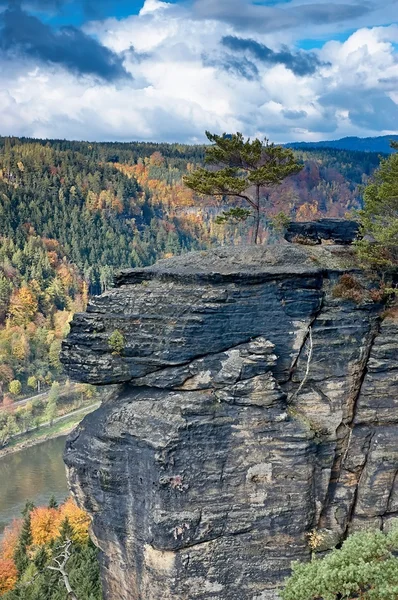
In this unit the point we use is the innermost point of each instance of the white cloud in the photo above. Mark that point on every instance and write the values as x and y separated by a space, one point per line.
176 95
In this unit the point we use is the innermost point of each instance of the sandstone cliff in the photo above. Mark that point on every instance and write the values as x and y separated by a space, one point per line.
253 405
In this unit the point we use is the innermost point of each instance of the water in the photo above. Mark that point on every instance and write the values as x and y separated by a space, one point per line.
33 474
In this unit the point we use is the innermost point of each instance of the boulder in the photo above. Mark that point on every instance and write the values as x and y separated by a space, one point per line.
336 231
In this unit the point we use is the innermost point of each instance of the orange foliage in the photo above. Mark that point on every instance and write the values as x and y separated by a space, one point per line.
50 244
61 322
78 520
10 540
8 575
171 196
53 258
45 524
66 275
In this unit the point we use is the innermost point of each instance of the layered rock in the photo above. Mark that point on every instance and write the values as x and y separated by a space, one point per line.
252 406
337 231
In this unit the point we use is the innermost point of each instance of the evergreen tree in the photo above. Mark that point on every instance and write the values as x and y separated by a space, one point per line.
243 168
366 567
379 217
52 502
21 558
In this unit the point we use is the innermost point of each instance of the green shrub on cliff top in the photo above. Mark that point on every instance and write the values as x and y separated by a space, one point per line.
379 217
366 567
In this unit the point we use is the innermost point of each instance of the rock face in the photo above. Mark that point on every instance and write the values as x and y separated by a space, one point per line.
252 406
337 231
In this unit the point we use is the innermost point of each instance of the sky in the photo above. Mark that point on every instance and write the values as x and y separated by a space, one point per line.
154 70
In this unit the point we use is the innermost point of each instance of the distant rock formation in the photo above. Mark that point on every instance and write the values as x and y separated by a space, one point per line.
253 405
336 231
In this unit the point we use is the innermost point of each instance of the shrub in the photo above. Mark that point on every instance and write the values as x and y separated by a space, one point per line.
116 342
15 387
365 567
349 288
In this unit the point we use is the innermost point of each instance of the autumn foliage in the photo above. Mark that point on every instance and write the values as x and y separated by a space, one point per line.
78 520
8 575
46 523
46 527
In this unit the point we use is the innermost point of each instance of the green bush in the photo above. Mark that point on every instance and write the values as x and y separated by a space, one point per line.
366 567
379 217
116 342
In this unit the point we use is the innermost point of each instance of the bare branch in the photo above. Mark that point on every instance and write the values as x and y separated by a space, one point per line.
233 194
61 561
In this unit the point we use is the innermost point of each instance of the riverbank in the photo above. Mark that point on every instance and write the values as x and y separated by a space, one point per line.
61 427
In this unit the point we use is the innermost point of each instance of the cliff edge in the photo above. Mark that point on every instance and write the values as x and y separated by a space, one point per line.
256 400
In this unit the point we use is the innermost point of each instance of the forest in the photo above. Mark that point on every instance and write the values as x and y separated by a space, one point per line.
46 552
72 213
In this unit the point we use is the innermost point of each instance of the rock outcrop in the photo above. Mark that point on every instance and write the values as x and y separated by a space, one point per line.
336 231
252 405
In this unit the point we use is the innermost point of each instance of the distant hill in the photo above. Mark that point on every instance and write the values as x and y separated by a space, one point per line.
379 144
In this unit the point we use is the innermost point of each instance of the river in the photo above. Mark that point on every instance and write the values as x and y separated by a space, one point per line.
34 474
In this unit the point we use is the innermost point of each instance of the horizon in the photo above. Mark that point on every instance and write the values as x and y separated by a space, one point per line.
288 70
204 143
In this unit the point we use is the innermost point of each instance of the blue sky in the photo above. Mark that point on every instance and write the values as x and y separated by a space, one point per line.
169 70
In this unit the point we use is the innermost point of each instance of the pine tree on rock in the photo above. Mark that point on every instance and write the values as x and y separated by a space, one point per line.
242 169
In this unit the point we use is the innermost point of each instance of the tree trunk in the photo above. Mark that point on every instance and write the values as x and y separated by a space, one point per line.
257 216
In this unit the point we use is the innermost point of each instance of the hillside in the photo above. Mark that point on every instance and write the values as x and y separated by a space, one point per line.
380 144
71 213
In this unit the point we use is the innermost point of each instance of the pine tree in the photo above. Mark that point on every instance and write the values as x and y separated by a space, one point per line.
242 169
365 567
21 558
52 502
379 217
66 531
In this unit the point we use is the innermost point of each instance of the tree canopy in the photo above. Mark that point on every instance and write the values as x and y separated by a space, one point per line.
32 548
365 568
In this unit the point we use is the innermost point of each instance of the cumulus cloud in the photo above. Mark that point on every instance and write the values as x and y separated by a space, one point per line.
191 72
24 35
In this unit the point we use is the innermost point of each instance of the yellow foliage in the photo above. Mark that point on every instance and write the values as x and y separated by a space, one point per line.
78 520
23 305
307 212
20 347
106 199
45 523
